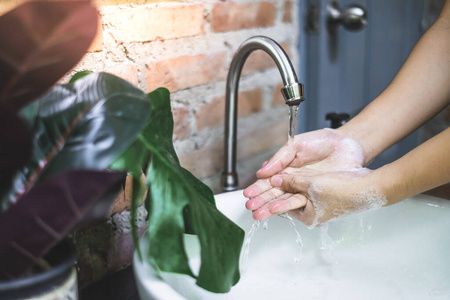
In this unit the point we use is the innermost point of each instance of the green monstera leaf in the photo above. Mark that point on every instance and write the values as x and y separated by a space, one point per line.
177 201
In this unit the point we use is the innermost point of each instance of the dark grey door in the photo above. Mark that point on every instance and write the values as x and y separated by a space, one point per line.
343 71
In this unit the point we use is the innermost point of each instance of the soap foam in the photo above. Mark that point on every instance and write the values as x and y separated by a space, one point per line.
369 199
352 157
348 157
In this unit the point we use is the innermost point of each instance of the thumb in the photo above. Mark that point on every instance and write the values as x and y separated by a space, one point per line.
290 183
278 162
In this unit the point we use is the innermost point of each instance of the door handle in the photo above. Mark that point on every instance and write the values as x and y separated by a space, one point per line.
352 18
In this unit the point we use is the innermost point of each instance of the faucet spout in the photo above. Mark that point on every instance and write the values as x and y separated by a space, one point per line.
292 92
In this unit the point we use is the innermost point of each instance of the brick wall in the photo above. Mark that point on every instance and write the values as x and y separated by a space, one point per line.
187 47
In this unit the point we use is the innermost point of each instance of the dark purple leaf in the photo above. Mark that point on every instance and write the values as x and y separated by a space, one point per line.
48 212
40 41
84 125
15 146
15 141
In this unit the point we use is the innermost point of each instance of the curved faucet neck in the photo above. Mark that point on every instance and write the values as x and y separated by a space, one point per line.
270 47
292 93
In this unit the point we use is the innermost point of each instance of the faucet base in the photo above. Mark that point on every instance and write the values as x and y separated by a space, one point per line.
229 181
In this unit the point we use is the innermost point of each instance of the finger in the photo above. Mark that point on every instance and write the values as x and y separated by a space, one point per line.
267 210
285 204
260 204
305 149
291 183
314 146
262 199
262 213
259 187
280 160
306 214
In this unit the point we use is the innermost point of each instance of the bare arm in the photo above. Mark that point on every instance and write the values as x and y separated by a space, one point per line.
419 91
328 193
423 168
316 176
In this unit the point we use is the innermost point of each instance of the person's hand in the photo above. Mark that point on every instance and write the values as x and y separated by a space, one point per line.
316 179
315 196
327 145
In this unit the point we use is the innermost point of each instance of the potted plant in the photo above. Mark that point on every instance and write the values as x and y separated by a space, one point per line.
66 149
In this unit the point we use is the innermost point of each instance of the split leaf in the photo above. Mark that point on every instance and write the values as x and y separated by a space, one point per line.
178 198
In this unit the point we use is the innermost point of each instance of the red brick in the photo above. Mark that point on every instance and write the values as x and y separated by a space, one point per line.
186 71
158 22
229 16
181 125
204 162
277 97
209 161
287 12
249 102
212 114
263 139
260 60
126 72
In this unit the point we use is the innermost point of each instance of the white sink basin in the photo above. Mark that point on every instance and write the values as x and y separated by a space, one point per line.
397 252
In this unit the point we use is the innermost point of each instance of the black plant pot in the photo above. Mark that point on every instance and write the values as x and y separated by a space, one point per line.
57 283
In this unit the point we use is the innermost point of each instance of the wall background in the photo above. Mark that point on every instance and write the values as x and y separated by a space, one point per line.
187 47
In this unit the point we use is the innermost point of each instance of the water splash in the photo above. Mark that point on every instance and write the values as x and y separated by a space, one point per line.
298 237
266 224
327 245
293 109
248 240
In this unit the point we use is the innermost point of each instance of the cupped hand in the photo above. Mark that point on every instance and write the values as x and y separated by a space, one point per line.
315 196
317 178
327 146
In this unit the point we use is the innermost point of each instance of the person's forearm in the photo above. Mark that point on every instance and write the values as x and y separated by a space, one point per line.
419 91
424 168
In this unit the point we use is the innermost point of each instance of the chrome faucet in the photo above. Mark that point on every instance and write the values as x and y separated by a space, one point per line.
292 93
